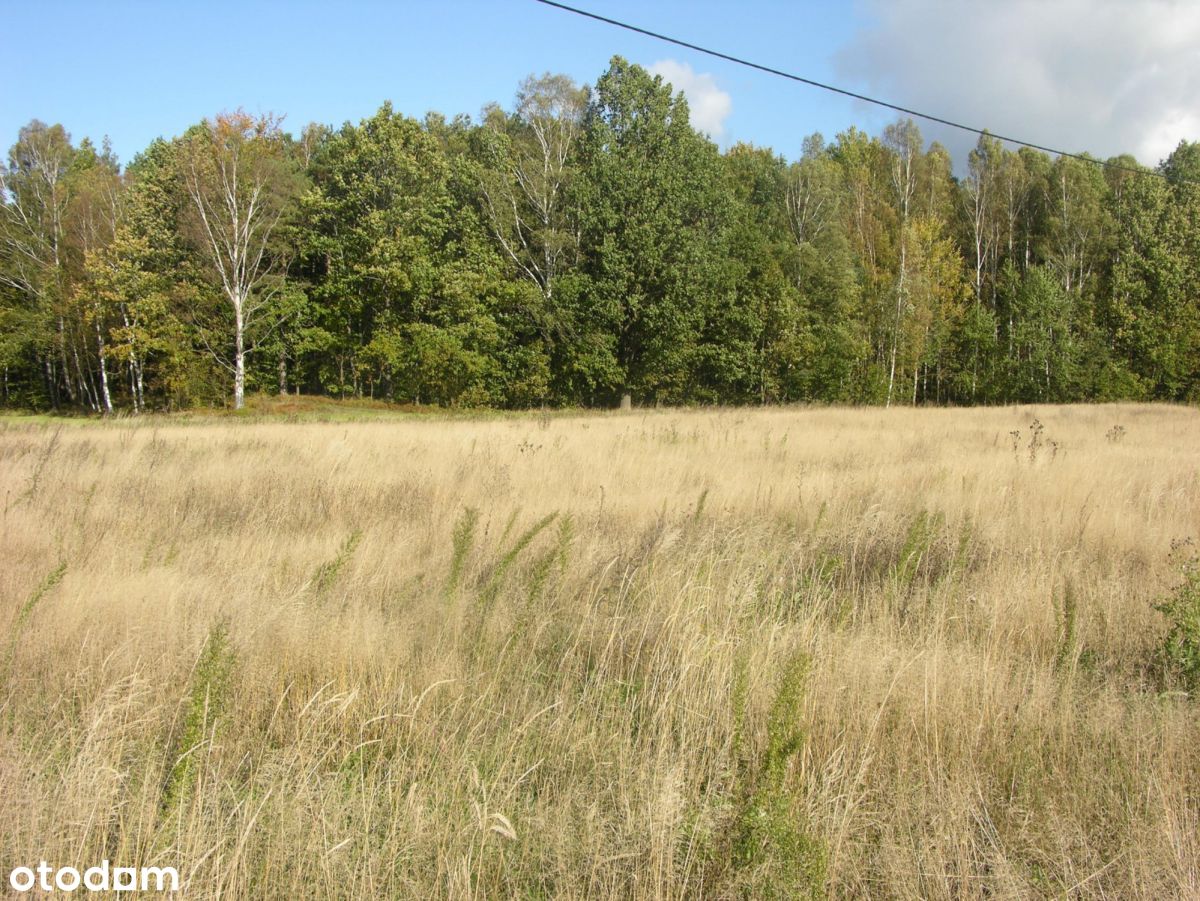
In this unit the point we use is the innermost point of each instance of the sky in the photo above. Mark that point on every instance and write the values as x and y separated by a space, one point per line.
1106 76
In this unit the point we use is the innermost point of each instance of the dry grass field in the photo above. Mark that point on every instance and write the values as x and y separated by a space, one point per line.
742 653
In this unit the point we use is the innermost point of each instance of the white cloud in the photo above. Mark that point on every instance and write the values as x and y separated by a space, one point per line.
708 104
1106 76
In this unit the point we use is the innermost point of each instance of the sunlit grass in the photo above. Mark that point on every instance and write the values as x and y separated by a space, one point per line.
857 653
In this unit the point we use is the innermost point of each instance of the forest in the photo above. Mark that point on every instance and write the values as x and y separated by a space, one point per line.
586 248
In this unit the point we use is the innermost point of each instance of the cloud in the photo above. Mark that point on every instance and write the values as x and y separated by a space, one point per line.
1105 76
708 104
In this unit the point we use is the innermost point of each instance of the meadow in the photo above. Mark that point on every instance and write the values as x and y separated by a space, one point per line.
660 654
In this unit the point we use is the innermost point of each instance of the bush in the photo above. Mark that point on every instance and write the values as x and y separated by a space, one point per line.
1179 653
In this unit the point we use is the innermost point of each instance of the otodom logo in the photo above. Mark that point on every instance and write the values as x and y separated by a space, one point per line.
102 878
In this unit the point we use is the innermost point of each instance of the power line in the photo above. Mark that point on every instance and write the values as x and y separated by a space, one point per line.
845 93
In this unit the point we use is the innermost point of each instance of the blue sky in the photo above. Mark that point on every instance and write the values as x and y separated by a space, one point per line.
1102 75
134 71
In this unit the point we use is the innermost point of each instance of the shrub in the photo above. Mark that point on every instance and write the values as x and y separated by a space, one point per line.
1179 653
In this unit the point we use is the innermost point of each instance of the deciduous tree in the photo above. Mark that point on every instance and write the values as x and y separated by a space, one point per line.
241 184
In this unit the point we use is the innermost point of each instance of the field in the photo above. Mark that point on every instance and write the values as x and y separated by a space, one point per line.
783 652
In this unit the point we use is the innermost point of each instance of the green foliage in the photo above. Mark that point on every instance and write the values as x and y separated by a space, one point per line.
1179 652
493 582
1150 309
1042 345
18 624
463 538
774 854
204 707
495 579
39 467
923 531
328 572
556 557
650 214
1068 628
52 579
586 245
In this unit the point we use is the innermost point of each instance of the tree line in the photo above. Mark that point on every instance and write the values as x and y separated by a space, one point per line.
588 247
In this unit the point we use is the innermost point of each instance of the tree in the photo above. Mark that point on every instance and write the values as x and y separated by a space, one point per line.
93 214
588 247
812 193
525 189
1078 225
241 185
740 347
33 245
1042 363
651 210
403 271
153 278
937 291
903 139
869 222
1151 308
818 334
979 202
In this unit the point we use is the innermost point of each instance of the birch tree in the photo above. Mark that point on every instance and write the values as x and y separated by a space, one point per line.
525 198
1077 226
904 140
937 293
811 197
240 184
95 208
32 242
979 189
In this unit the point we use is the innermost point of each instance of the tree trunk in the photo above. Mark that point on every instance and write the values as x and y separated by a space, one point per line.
626 401
62 358
88 393
51 383
135 366
282 374
104 392
239 361
899 312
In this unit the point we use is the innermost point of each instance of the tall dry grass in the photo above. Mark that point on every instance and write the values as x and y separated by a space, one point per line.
705 654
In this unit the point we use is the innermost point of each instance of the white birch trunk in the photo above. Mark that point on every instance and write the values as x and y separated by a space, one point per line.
239 360
106 396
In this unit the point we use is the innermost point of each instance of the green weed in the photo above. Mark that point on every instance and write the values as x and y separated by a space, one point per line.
463 538
52 579
206 701
773 851
327 572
